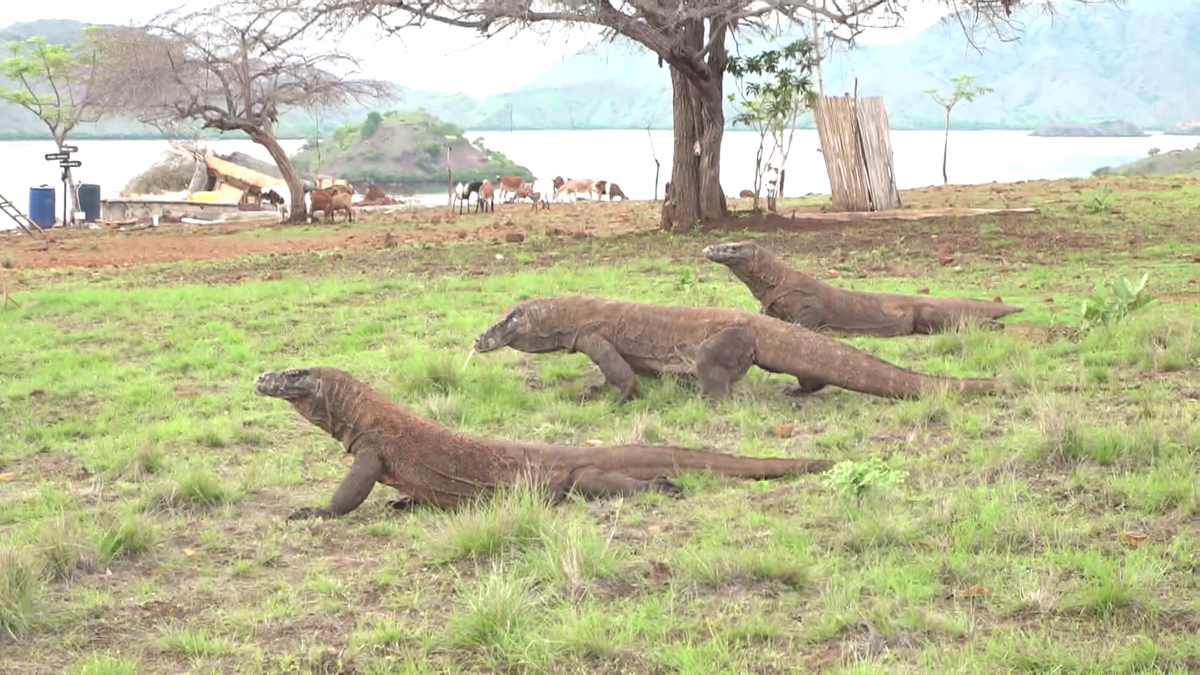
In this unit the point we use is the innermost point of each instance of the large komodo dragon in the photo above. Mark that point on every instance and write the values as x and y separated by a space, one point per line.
795 297
431 464
626 339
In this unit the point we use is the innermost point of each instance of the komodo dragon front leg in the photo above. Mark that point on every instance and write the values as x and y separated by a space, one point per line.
616 369
354 489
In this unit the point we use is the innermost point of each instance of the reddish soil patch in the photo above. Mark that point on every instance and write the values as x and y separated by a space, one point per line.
944 222
173 243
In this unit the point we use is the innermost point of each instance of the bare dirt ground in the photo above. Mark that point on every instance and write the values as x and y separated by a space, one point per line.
511 223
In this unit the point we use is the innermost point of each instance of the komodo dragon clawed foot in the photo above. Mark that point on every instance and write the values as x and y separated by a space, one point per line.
664 485
310 512
805 387
402 504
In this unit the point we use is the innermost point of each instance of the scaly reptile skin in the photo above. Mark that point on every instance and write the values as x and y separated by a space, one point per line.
626 339
795 297
431 464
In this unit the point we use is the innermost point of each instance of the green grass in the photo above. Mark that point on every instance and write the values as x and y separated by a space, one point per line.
1049 529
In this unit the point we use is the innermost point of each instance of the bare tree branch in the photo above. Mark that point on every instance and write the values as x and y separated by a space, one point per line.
235 71
688 35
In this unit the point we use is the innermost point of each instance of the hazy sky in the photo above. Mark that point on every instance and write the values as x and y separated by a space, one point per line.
434 58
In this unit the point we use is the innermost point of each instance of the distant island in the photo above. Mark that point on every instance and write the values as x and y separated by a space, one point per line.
1071 129
404 152
1188 128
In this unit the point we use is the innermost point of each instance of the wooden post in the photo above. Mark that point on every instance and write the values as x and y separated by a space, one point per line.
449 177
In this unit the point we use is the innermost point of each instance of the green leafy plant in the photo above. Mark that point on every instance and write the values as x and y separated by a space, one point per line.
371 125
775 88
1113 300
861 479
1099 202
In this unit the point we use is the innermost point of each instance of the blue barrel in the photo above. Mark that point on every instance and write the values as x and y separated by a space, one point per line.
42 203
89 202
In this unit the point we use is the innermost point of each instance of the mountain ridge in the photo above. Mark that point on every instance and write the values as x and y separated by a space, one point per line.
1088 65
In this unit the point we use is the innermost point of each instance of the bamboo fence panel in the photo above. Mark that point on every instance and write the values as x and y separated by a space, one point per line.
856 145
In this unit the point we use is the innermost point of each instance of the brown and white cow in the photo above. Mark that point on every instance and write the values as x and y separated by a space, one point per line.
509 184
574 187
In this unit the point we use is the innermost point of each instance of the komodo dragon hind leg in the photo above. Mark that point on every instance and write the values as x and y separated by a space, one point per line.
811 316
352 491
723 359
929 320
616 369
594 483
403 504
805 387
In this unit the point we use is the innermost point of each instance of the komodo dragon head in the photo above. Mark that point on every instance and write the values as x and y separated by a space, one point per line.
293 384
733 254
521 326
316 393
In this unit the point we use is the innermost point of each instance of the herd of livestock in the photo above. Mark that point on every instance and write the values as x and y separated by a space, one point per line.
512 188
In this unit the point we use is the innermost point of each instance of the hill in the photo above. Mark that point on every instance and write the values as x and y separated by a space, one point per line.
1170 163
1088 65
404 150
1113 128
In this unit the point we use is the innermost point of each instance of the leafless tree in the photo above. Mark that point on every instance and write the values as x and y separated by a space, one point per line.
690 37
233 69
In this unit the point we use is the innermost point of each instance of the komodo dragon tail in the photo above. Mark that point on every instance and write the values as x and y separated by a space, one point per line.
989 309
781 347
646 462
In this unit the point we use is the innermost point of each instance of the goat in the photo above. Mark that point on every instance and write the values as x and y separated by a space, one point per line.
614 191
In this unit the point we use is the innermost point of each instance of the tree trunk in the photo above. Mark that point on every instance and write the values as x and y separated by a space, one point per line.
698 110
946 149
782 175
709 101
683 207
267 139
71 193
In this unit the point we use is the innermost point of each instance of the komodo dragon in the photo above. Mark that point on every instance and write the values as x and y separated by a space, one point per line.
795 297
626 339
431 464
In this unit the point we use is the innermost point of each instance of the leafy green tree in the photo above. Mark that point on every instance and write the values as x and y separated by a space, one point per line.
55 83
965 91
780 91
689 37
